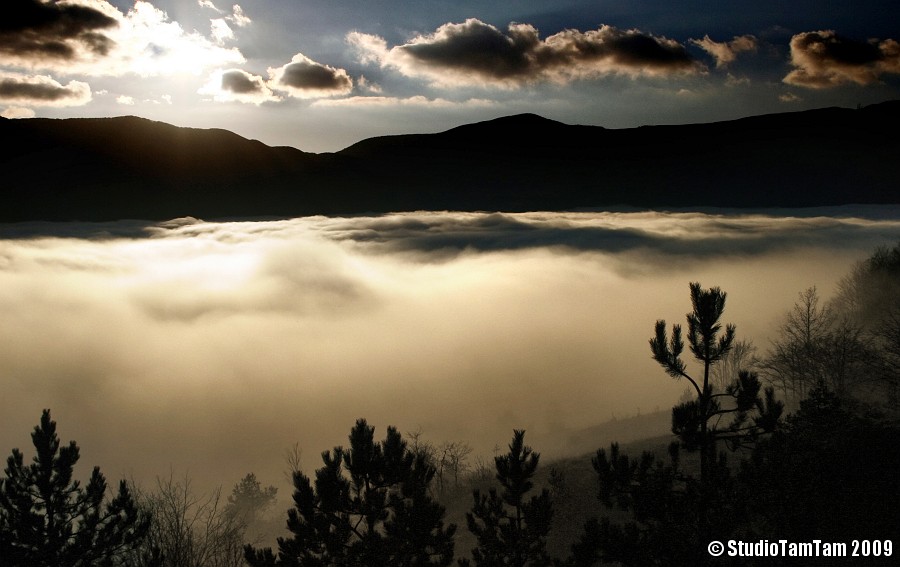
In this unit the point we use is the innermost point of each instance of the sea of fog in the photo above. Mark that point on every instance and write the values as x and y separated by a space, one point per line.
210 348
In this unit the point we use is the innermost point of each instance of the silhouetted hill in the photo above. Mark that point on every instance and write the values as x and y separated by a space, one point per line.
128 167
621 430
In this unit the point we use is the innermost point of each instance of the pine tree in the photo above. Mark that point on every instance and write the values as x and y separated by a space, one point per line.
47 519
690 420
412 527
675 513
249 500
511 530
696 422
379 513
247 508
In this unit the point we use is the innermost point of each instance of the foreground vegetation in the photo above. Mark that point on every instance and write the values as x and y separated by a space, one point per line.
799 444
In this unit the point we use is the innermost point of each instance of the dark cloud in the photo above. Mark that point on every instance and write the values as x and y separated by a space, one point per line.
311 75
824 59
86 231
52 30
446 237
304 77
18 90
474 52
478 47
241 82
41 91
631 49
236 85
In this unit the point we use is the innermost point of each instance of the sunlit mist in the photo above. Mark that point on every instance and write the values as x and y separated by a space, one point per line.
213 347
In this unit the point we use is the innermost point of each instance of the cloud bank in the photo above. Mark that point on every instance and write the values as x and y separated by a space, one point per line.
474 53
213 347
433 237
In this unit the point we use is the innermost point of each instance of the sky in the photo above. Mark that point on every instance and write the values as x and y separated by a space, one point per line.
209 349
320 75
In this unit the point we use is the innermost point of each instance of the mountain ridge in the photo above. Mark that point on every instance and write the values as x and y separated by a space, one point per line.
132 167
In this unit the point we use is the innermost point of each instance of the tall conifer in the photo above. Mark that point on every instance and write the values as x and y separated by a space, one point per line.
677 514
369 505
47 519
510 527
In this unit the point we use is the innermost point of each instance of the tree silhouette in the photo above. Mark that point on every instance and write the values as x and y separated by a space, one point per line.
871 286
49 520
511 530
816 343
248 504
869 298
379 513
829 474
191 528
676 514
668 527
692 417
249 499
702 422
451 458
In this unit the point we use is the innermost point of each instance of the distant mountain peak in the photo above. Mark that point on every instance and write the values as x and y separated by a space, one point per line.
514 121
522 118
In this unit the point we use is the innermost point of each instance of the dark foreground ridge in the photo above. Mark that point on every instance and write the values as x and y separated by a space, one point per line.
95 169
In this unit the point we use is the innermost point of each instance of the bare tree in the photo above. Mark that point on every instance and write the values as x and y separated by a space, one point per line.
419 446
292 458
816 344
482 471
793 363
871 287
191 529
458 459
742 356
869 297
452 459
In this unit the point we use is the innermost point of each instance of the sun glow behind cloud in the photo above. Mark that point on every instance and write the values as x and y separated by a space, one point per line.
391 68
214 346
103 41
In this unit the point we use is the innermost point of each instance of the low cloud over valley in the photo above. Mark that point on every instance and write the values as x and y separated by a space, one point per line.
213 347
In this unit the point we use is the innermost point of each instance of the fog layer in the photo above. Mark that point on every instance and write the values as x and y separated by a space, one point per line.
213 347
